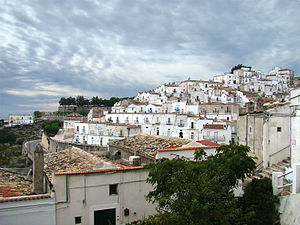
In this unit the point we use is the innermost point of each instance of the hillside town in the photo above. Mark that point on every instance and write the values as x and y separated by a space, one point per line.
104 153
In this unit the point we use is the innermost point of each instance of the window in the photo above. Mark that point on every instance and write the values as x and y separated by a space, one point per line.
169 121
192 135
77 219
77 128
192 125
113 189
278 129
216 135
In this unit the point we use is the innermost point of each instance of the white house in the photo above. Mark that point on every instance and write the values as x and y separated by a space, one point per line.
295 125
91 197
219 133
93 133
20 119
187 151
24 210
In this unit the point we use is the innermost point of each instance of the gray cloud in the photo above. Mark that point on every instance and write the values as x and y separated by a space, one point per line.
54 48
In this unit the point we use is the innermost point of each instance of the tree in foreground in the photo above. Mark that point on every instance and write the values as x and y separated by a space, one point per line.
51 127
201 191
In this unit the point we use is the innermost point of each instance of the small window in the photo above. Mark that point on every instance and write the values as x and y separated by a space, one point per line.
78 220
278 129
113 189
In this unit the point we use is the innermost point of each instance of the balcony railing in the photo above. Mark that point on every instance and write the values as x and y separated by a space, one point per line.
168 123
180 125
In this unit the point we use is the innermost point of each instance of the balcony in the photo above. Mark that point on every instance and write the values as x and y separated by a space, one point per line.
136 122
180 125
157 122
168 123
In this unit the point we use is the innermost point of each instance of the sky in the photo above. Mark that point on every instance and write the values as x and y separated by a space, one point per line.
60 48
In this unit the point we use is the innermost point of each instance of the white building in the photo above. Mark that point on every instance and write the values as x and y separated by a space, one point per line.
295 125
218 133
187 151
93 133
91 197
20 119
24 210
163 124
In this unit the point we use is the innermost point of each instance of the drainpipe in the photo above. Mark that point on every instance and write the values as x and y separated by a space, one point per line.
247 129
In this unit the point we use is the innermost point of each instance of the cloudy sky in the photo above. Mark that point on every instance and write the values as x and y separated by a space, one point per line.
50 49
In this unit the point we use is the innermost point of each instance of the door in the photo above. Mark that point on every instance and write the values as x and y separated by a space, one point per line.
105 217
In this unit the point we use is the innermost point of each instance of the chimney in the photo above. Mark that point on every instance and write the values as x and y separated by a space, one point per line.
38 170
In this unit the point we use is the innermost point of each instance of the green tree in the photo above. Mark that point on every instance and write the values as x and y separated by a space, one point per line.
51 127
259 203
201 191
96 101
81 100
7 137
37 114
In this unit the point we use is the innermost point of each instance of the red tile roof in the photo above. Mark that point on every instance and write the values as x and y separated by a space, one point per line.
208 143
214 126
24 198
100 171
12 185
183 149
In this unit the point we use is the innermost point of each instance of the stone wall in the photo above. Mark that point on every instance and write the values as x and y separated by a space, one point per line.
57 145
289 209
116 152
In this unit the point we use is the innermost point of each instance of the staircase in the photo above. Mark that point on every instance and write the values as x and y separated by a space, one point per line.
279 167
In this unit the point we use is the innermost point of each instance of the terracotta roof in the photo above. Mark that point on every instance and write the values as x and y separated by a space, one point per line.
183 149
24 198
214 126
12 184
148 144
100 171
80 161
208 143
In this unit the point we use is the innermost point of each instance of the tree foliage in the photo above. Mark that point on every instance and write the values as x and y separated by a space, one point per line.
95 101
67 101
259 203
38 114
7 137
201 191
51 127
